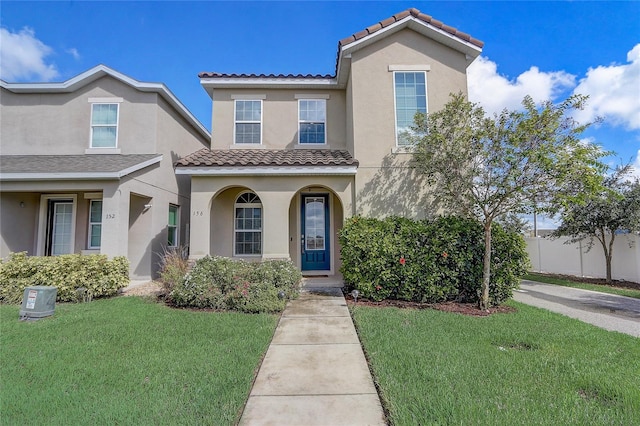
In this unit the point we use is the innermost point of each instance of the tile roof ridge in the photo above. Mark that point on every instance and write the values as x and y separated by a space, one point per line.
415 13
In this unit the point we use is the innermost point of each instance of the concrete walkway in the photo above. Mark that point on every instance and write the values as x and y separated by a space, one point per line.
314 372
608 311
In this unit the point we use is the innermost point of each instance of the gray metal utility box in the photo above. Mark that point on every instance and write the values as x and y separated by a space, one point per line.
38 302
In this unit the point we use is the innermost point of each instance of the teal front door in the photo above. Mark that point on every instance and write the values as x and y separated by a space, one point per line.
315 244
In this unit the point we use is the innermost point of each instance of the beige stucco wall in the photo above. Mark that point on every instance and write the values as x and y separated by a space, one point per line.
59 123
279 117
385 184
554 256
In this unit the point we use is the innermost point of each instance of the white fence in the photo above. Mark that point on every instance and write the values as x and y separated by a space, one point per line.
553 256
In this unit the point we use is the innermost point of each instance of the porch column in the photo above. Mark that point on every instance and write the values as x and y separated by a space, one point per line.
275 225
115 221
200 231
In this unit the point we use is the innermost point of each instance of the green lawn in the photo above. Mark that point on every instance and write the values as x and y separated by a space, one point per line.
629 292
128 361
528 367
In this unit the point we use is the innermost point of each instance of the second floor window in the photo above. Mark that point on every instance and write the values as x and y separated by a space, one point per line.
313 116
411 97
248 122
104 125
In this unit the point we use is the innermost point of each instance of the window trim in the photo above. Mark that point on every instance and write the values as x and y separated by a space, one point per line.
236 121
324 101
176 226
89 245
237 205
406 70
104 101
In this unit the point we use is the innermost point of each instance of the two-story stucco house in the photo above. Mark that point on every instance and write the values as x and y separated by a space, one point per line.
86 166
292 156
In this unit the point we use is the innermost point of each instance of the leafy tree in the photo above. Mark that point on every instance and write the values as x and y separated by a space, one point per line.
513 162
604 215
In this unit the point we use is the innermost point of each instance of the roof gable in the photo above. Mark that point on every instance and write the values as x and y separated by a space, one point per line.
99 71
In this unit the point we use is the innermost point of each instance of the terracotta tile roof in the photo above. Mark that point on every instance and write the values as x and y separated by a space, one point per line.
355 37
267 158
416 14
61 164
278 76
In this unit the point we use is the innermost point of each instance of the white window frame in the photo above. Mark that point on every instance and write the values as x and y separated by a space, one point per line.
237 205
176 226
42 220
235 121
406 70
91 224
300 122
104 101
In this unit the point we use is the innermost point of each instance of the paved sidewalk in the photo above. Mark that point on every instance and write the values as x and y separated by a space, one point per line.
608 311
314 372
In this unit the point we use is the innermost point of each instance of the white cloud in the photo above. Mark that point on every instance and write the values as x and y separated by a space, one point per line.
614 92
22 56
635 172
496 92
73 52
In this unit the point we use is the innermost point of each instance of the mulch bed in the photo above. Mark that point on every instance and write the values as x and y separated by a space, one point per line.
600 281
469 309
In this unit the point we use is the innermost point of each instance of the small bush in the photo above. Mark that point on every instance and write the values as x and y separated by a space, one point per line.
223 283
96 273
428 261
174 264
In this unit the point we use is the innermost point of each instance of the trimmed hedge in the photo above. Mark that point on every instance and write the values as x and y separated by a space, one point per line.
96 273
428 261
227 284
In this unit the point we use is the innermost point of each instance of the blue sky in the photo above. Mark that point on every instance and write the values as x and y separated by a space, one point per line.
545 49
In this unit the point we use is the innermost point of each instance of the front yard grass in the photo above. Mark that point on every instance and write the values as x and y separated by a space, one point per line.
610 289
128 361
527 367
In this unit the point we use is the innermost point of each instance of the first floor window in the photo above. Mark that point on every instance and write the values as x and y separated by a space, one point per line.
172 228
411 97
95 224
248 225
104 125
312 116
248 121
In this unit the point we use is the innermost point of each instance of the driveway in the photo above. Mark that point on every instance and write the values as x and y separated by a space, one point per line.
608 311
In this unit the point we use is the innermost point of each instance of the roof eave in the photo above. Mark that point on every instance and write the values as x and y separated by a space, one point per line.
210 84
113 175
268 171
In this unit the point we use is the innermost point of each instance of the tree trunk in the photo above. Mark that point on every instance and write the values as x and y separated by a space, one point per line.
609 256
486 271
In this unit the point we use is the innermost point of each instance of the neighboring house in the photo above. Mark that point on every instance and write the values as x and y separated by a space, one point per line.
86 166
292 156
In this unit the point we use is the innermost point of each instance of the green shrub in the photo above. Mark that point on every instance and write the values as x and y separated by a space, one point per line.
223 283
428 261
96 273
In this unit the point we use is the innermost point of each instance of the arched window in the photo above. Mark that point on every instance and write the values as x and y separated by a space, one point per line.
247 225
